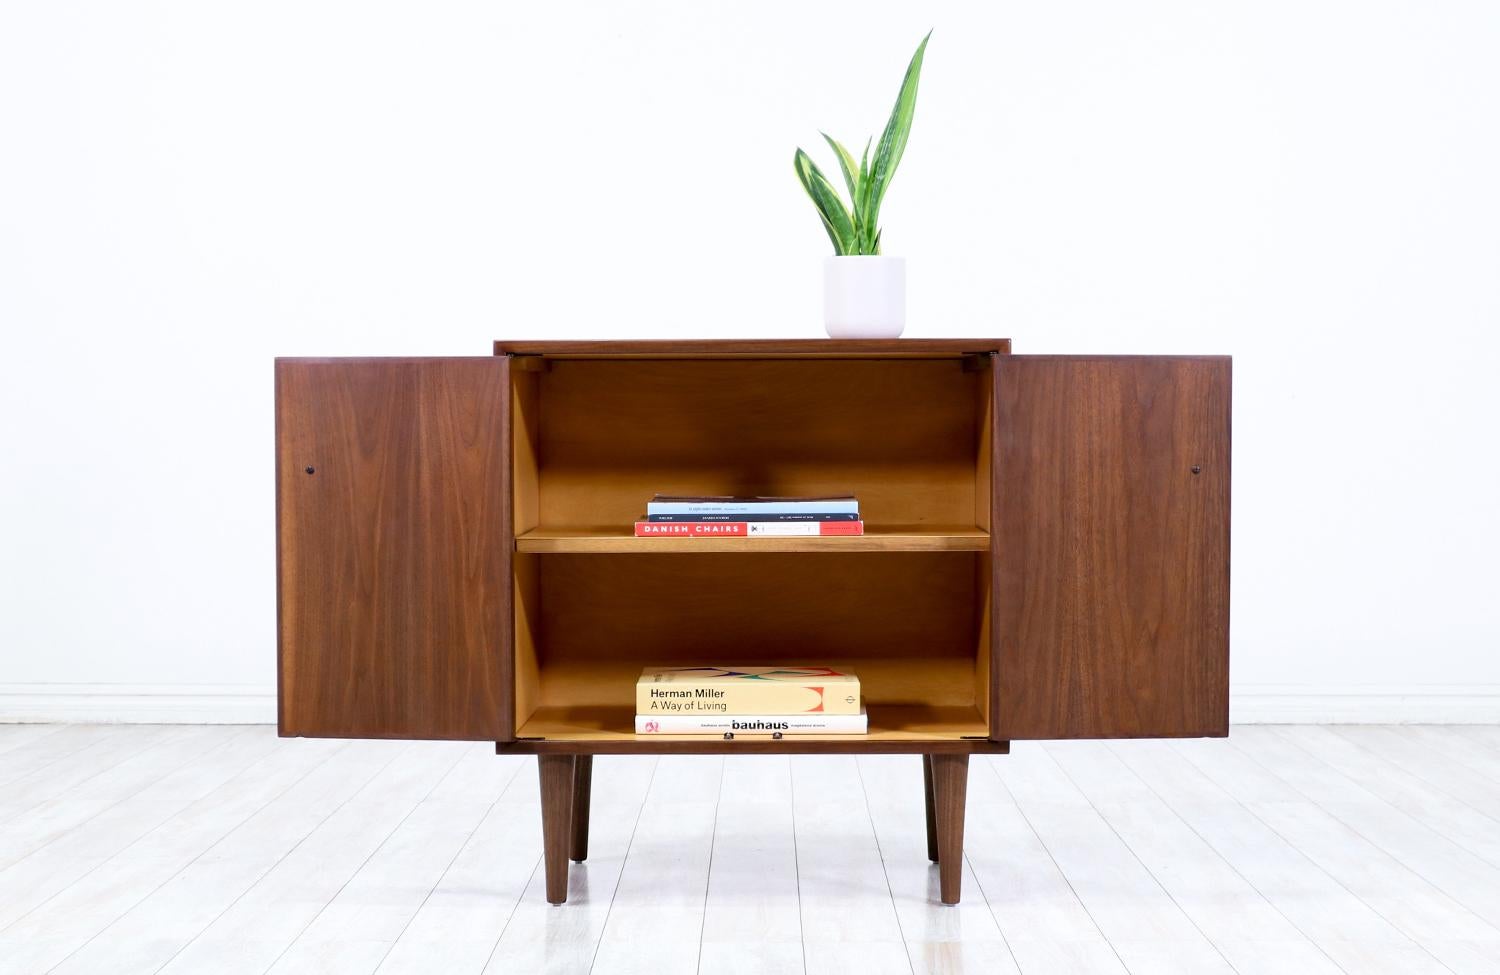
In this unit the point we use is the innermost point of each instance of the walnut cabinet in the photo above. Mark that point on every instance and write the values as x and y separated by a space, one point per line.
1046 551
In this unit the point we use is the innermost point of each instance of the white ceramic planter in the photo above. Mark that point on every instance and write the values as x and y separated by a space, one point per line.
864 297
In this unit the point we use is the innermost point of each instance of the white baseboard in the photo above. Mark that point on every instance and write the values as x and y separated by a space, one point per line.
138 703
1364 704
256 704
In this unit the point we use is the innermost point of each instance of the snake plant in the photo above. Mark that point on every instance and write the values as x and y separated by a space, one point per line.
855 228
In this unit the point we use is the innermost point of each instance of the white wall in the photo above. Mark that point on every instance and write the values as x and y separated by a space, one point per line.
189 189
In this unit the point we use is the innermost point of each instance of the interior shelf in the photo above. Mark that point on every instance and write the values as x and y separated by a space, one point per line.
604 541
927 697
888 723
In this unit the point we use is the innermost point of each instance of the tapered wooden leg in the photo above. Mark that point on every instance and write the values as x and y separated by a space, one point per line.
950 785
556 774
583 769
932 847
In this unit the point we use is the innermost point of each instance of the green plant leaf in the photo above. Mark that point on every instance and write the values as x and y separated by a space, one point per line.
864 227
893 140
831 209
849 169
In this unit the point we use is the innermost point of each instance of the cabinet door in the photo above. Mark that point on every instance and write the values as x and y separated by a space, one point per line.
1111 523
394 548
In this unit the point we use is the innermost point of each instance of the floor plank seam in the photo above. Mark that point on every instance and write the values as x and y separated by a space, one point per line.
1380 799
11 731
624 862
82 747
530 879
708 877
1436 787
1136 856
1474 733
102 862
489 811
1380 847
364 863
375 773
1457 755
880 852
251 815
992 761
1327 873
74 786
1225 860
979 884
796 862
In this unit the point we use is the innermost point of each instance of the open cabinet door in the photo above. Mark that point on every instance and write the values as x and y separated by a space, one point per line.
1111 523
394 548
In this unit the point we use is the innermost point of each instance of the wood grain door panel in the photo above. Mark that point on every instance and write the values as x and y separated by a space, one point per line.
1111 518
394 548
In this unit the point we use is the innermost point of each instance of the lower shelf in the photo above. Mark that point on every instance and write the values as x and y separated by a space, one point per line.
880 538
608 729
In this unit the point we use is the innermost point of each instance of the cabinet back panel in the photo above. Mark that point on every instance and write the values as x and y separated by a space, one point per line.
902 434
619 613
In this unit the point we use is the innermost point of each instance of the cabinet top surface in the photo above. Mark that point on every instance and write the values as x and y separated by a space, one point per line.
751 348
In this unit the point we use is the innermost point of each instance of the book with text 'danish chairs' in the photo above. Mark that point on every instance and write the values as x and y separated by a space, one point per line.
670 516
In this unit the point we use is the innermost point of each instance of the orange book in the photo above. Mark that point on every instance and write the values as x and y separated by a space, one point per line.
746 690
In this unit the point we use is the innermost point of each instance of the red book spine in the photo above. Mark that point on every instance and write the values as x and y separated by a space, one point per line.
742 529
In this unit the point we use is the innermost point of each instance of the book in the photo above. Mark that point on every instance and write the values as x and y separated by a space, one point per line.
672 505
752 724
755 516
742 529
745 690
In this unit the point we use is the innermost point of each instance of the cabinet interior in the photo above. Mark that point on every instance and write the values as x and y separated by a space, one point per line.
594 439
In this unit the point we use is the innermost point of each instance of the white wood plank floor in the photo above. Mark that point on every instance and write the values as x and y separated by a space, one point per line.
225 849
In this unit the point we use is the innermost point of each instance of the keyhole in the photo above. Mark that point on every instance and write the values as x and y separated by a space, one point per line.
310 470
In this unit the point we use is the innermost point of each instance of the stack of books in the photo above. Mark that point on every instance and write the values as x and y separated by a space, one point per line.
748 701
709 517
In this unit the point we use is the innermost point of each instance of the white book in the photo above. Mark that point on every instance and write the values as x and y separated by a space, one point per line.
661 505
751 724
